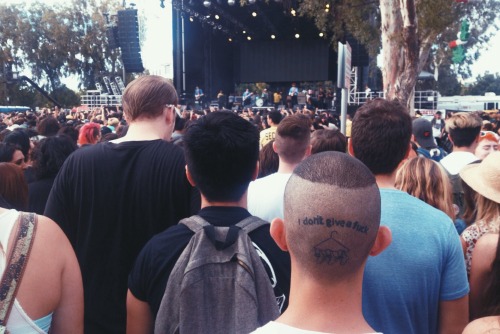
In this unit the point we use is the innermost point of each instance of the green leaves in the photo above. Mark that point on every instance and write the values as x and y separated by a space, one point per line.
56 41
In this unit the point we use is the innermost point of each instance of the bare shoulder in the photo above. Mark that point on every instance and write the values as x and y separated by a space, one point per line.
51 243
48 229
487 242
485 249
483 326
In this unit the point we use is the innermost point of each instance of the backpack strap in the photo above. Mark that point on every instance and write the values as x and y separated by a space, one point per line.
196 223
14 269
251 223
423 152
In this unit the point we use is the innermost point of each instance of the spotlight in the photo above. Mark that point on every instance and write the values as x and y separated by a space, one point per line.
249 38
321 34
327 10
251 2
327 5
207 3
244 32
191 19
297 36
293 12
230 39
231 2
254 14
217 17
273 36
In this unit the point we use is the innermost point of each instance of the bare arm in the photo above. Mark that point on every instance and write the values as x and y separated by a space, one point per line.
453 315
68 315
482 259
139 317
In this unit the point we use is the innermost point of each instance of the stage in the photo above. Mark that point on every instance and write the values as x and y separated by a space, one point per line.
219 46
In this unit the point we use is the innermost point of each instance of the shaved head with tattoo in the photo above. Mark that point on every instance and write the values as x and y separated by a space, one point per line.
332 215
331 225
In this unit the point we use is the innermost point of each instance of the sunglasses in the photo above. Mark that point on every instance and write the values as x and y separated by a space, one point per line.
489 135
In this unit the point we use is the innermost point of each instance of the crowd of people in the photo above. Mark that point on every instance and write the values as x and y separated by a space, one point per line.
391 228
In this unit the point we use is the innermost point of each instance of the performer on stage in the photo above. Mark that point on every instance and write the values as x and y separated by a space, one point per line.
198 96
293 92
277 99
221 100
368 92
247 97
265 97
321 98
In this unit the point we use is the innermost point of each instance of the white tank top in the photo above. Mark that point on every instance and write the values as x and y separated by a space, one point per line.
19 322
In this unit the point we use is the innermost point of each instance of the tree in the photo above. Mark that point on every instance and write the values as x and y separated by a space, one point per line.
58 40
485 84
448 84
412 34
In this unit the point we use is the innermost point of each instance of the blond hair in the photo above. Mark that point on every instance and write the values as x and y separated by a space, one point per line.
487 211
463 120
425 179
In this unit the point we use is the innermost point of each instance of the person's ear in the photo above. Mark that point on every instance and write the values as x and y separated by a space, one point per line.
170 114
190 177
308 151
408 151
277 231
350 150
382 241
274 147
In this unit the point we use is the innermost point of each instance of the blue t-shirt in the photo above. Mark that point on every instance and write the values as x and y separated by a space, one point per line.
423 265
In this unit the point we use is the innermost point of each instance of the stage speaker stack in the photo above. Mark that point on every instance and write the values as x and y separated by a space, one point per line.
113 39
128 33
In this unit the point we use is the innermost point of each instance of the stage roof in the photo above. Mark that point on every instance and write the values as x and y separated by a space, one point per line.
259 20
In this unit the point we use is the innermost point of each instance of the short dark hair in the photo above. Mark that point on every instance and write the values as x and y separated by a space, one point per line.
222 150
328 140
463 128
293 137
268 160
50 154
7 151
69 131
380 135
49 126
275 116
20 138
